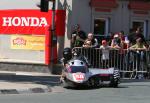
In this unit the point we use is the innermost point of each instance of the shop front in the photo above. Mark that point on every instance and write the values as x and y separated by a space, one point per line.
25 35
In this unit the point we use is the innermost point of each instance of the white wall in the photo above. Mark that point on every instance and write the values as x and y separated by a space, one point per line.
18 4
11 55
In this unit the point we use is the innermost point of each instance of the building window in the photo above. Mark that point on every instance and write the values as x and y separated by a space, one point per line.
142 24
101 26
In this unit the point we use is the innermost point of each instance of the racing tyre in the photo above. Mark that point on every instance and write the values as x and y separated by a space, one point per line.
115 79
98 82
114 83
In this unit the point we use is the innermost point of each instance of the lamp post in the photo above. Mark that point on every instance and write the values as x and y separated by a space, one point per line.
54 39
44 7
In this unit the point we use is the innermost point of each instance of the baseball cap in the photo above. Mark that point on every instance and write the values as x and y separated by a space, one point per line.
104 41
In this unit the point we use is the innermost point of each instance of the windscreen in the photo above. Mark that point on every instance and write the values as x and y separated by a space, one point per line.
75 69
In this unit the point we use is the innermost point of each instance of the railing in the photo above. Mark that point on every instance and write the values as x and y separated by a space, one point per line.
131 63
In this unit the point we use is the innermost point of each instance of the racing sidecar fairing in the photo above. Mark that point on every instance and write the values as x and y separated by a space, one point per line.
77 73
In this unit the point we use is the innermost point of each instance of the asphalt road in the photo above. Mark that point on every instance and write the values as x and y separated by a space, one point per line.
130 92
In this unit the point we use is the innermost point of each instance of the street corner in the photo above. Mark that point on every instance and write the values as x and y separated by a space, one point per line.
23 88
26 91
55 89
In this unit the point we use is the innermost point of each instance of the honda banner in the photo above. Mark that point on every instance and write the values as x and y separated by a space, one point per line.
30 21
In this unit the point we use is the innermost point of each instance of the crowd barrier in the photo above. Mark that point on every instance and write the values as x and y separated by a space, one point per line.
131 63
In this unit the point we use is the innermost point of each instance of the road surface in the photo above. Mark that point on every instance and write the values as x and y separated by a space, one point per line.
129 92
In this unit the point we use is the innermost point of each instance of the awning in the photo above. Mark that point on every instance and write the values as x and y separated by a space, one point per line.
103 3
139 5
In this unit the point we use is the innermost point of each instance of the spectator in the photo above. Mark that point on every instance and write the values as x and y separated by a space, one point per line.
90 41
148 47
116 42
131 36
138 50
138 34
124 40
121 35
78 37
139 45
119 44
87 43
105 53
135 35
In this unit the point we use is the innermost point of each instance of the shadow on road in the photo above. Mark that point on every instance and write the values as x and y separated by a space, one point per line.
93 88
55 81
44 80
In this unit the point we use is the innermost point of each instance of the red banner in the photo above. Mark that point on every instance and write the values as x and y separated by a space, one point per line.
30 21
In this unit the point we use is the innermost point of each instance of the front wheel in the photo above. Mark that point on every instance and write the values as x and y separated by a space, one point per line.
114 83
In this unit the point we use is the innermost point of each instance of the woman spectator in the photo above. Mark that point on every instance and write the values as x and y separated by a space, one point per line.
138 52
139 45
119 45
116 42
90 43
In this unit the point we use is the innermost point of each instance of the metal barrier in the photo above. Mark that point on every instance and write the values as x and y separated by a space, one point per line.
132 64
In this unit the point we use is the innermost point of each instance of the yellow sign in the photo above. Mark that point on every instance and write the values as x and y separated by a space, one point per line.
30 42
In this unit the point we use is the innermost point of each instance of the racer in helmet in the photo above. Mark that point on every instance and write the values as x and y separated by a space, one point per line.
77 55
67 55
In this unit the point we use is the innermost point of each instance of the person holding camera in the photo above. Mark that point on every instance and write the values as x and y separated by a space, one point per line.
78 37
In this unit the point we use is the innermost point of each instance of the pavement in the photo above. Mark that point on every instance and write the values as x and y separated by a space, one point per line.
28 82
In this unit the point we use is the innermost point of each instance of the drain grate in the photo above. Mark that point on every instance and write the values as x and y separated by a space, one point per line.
37 90
10 91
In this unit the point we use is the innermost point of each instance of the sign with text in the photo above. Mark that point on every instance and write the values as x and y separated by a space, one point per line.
29 42
30 21
24 21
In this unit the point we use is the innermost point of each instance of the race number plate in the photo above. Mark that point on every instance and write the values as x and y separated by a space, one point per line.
78 76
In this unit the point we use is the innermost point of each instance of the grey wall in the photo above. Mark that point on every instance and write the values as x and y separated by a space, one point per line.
77 12
82 14
121 18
